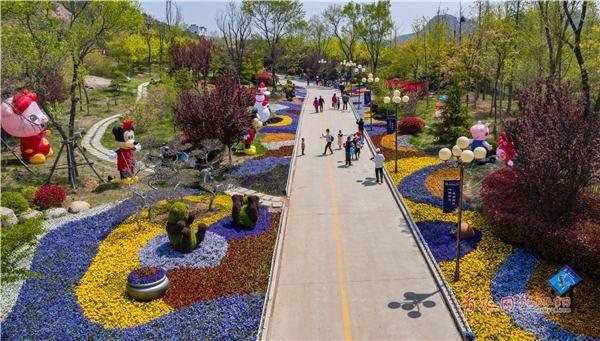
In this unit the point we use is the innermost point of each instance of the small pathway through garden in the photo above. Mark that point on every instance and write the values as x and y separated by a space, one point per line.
348 258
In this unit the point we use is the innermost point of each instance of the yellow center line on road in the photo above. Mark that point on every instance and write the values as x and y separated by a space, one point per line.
338 245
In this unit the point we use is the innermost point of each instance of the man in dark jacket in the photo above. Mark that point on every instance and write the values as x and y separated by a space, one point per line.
321 103
345 99
361 125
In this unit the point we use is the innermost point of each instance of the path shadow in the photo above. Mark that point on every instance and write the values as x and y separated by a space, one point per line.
368 181
343 166
412 303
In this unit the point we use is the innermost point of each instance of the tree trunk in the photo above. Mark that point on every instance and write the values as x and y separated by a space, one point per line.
509 95
229 154
475 93
87 100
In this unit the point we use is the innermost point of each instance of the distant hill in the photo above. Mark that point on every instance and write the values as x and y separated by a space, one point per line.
450 21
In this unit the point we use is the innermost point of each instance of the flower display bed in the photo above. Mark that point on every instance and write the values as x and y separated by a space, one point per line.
82 269
489 268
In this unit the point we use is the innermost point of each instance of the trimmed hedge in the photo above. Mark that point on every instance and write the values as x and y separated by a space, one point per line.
411 125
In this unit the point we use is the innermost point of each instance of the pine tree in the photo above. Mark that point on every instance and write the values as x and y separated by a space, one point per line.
455 120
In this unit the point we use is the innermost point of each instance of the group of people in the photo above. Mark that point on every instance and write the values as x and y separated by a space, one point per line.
336 102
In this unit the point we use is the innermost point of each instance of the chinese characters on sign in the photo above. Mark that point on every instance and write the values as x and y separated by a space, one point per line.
523 302
564 280
391 124
451 195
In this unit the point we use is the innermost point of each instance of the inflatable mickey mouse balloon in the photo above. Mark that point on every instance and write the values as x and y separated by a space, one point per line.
22 117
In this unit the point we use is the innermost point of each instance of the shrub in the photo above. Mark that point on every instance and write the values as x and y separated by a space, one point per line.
410 125
49 196
13 239
291 71
178 211
29 192
557 146
266 78
15 201
454 121
100 65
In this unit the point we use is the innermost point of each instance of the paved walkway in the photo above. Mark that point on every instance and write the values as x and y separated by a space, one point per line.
349 265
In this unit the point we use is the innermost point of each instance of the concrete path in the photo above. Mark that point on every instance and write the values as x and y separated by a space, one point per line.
349 266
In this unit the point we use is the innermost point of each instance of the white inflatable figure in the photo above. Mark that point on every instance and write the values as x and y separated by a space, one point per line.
261 103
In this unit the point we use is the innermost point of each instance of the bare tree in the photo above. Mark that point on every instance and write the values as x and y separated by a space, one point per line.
235 27
344 23
320 33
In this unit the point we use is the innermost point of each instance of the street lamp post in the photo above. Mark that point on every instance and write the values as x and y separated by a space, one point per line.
462 156
321 63
397 99
371 80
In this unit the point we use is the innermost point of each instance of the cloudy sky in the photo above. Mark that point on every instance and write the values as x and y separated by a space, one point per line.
404 13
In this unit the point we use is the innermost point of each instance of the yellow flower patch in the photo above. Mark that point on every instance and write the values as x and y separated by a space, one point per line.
477 270
285 120
409 165
278 137
367 117
101 292
435 182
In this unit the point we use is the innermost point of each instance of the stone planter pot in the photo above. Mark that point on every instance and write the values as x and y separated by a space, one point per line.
148 291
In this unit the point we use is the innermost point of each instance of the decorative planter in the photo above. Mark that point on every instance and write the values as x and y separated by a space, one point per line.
143 290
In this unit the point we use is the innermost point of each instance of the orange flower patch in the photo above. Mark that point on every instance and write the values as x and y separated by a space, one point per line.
278 137
435 181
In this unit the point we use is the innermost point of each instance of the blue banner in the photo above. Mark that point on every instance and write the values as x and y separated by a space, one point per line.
451 195
391 124
367 96
564 280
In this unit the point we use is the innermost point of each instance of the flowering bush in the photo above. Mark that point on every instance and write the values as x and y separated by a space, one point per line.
267 78
145 275
49 196
411 125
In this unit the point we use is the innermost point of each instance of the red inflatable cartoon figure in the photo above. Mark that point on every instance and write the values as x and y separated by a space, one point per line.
22 117
506 149
125 141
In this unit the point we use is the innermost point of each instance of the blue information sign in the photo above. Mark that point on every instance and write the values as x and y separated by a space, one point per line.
367 96
451 195
391 124
564 280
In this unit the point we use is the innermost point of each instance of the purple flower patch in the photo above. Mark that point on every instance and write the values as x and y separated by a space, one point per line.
413 187
229 230
287 129
145 275
377 129
442 244
509 290
253 166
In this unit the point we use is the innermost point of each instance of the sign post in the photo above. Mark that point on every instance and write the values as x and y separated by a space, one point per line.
451 195
391 124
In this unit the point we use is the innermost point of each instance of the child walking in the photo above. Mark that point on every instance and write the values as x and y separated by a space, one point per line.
302 146
340 139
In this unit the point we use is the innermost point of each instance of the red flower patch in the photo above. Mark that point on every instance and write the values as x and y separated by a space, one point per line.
244 269
283 151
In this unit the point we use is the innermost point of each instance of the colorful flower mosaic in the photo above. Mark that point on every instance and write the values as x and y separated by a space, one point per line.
83 265
254 167
442 244
158 252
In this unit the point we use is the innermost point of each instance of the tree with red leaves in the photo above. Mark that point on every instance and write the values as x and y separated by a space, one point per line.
222 113
193 55
557 145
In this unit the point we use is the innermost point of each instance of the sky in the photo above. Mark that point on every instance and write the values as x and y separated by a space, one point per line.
404 13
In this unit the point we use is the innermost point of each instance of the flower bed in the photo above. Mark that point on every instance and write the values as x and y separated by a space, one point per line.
277 137
442 244
272 183
254 167
83 266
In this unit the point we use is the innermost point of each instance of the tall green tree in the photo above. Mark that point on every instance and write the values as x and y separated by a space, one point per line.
235 26
374 26
274 21
344 25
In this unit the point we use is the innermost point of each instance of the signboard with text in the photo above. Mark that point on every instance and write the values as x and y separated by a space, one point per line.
367 97
451 195
391 124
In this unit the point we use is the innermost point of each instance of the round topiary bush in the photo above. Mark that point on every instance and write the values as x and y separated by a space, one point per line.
15 201
178 211
49 196
410 125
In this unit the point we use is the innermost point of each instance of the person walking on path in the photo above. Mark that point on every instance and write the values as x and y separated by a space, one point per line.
345 99
348 148
334 100
307 80
359 143
342 87
361 125
379 160
316 104
303 146
340 139
329 140
321 103
317 80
